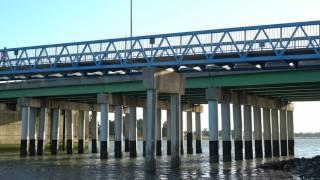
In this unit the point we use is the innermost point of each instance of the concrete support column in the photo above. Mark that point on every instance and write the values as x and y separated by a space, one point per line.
55 131
150 161
226 131
118 126
247 122
24 130
176 127
189 133
158 133
198 133
237 123
32 132
267 133
283 133
133 131
290 132
104 130
168 132
145 114
181 133
41 133
126 133
213 130
163 81
81 132
94 132
69 134
275 133
257 132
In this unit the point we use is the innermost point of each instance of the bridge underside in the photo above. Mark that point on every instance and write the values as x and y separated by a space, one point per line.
287 85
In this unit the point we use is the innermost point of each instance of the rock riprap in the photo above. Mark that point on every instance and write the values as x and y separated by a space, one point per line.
303 167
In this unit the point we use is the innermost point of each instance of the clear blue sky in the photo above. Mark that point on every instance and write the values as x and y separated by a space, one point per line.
36 22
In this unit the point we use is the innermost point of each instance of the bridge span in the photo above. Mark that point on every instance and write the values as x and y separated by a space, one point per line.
259 70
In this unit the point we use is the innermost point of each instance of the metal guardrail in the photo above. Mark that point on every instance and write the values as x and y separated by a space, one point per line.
232 45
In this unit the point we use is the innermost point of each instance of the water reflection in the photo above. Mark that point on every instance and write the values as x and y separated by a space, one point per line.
89 166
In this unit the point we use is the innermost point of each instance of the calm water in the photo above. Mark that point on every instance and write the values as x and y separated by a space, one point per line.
89 166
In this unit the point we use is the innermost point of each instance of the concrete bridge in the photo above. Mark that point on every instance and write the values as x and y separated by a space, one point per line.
259 70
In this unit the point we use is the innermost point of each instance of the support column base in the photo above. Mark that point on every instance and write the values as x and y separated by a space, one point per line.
40 148
168 147
284 147
126 145
80 146
267 148
258 148
181 147
238 150
275 148
248 150
198 147
54 147
117 149
226 148
144 148
103 150
291 147
32 147
214 151
23 148
175 162
158 146
94 147
189 143
133 149
69 146
150 164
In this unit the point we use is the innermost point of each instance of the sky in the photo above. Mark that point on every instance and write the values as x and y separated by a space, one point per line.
38 22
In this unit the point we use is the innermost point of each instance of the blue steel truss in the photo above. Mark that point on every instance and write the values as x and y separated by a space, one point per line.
278 42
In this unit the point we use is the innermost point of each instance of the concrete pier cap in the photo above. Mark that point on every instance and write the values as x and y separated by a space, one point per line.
163 81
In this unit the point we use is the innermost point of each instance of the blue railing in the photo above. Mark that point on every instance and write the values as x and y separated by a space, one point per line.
232 45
